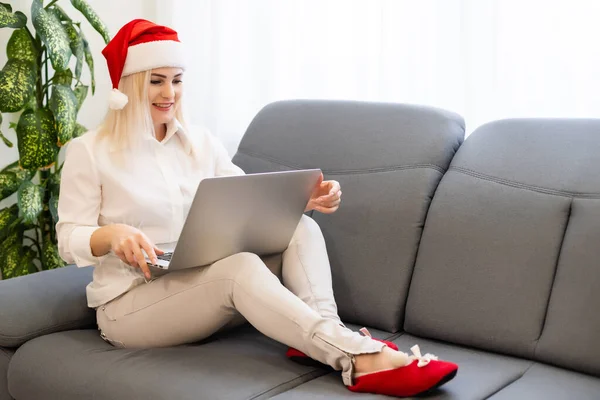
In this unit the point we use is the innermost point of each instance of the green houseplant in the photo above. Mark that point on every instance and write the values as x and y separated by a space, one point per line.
41 79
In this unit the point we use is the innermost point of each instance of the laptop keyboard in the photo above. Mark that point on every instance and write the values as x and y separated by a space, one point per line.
165 257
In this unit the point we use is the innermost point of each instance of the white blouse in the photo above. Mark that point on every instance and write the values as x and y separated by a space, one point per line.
153 193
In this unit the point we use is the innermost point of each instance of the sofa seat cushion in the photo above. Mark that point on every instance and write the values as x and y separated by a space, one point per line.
551 383
75 365
5 356
480 374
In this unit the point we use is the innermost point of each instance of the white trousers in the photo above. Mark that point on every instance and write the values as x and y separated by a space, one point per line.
190 305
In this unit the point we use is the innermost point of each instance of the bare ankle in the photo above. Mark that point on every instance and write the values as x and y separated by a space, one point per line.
386 359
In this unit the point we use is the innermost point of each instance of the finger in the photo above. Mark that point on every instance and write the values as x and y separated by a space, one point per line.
137 252
337 195
149 251
129 257
335 187
336 203
121 255
332 204
319 209
320 180
325 201
330 197
326 210
159 251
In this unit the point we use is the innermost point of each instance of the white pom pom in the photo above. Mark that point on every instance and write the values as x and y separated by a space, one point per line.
117 100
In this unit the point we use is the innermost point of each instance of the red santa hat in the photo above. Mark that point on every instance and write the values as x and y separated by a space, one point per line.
140 45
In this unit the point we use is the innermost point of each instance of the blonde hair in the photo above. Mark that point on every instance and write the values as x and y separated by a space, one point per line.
127 128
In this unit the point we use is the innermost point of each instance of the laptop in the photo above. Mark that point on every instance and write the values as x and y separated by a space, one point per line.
256 213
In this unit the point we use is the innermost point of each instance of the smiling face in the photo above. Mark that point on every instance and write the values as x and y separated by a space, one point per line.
164 93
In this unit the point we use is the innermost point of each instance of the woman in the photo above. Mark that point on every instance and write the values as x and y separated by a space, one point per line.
128 186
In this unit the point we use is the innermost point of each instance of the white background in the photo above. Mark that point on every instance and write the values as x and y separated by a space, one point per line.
484 59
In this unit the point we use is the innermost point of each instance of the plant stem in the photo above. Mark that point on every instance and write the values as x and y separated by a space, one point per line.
33 39
47 79
45 89
39 94
46 226
56 161
37 243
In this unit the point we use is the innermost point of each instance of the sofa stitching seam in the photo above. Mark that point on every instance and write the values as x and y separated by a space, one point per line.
418 248
5 353
312 372
519 185
562 242
343 171
513 381
45 330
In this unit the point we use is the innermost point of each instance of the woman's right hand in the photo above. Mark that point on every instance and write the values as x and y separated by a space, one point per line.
128 242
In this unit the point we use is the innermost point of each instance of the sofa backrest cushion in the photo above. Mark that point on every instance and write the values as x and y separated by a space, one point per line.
388 159
508 260
572 327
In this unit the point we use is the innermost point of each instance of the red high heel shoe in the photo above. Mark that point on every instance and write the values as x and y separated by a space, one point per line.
301 358
423 374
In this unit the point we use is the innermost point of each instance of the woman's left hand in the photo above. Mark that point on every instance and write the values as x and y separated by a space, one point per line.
326 197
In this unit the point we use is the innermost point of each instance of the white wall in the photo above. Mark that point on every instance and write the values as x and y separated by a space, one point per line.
115 14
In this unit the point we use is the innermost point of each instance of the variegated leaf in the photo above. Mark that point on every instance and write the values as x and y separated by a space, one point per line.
8 184
15 236
12 255
79 130
92 18
64 77
36 139
51 258
8 216
63 105
17 81
81 92
22 174
11 177
53 206
76 48
30 199
21 47
60 13
89 60
10 20
53 35
10 260
27 261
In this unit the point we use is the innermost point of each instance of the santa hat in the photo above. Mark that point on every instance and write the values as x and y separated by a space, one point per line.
139 46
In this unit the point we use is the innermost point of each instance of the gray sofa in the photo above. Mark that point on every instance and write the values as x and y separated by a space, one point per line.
485 253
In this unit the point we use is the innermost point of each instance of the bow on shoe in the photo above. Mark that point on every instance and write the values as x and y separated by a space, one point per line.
421 360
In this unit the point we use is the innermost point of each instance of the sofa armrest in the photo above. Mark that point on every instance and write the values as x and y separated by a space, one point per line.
43 303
